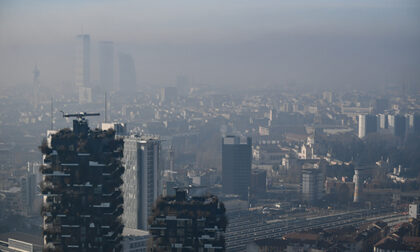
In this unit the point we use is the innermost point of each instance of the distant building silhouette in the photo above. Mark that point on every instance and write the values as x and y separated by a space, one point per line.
142 177
383 121
259 181
106 65
312 184
127 73
82 74
81 187
400 125
168 94
367 124
83 61
185 223
28 190
236 165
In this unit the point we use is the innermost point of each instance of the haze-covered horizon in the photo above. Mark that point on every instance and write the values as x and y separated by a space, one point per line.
237 43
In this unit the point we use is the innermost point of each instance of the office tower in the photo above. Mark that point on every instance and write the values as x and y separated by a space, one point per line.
399 126
82 74
367 125
391 121
383 121
28 190
106 65
236 165
312 184
81 187
127 73
185 223
141 179
83 60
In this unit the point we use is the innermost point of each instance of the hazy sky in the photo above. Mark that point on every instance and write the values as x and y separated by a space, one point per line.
238 42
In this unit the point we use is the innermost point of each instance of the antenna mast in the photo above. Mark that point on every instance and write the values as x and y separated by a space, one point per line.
106 107
52 116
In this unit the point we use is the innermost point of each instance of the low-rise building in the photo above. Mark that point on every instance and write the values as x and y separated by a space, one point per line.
135 240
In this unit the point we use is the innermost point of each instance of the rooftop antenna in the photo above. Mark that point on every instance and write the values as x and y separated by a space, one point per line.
106 108
52 116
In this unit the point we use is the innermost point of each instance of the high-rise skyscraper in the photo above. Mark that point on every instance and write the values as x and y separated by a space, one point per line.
83 60
106 65
236 165
383 121
127 73
141 179
185 223
82 74
367 124
81 187
28 189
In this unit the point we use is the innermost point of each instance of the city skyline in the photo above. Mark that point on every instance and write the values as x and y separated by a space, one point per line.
313 44
213 125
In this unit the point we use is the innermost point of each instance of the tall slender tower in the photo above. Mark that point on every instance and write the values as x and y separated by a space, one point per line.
81 183
141 179
82 74
357 185
171 161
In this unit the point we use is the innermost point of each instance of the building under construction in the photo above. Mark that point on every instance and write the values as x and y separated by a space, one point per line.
82 204
185 223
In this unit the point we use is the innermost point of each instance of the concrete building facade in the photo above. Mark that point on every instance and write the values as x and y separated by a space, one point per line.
142 179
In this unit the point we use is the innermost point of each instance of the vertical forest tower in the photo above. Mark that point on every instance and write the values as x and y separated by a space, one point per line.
82 203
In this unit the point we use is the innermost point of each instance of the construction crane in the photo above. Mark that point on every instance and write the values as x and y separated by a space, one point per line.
80 115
